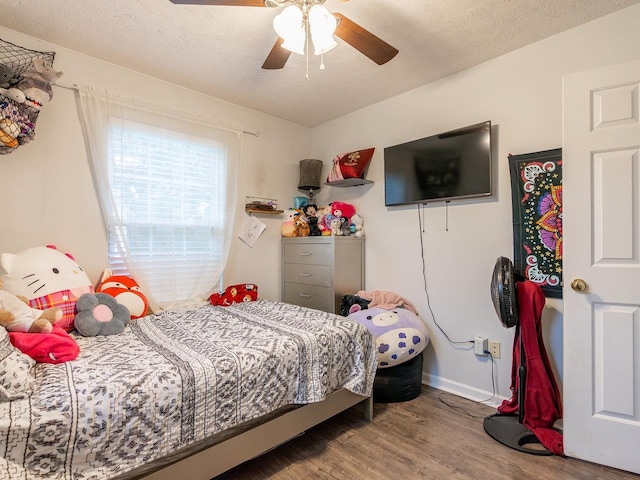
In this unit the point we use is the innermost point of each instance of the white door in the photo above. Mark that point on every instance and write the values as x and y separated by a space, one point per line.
601 219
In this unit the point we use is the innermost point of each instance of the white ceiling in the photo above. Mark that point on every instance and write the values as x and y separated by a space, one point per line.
219 50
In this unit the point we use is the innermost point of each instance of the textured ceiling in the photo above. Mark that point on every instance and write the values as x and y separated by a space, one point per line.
220 50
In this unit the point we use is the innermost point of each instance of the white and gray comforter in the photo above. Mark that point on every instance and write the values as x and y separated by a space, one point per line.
173 379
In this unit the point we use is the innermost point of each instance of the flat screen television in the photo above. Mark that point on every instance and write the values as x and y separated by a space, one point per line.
448 166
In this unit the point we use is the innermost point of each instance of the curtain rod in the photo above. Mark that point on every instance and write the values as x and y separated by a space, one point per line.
75 89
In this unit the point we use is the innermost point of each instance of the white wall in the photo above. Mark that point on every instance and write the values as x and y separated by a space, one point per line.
521 93
47 195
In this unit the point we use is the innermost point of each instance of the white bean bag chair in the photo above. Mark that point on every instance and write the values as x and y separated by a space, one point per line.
400 334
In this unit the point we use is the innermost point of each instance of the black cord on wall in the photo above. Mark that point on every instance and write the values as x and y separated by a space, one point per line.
469 343
424 279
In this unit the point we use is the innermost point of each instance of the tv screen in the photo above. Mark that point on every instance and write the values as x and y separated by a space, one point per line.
447 166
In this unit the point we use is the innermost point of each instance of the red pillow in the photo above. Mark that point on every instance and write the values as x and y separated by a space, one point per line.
244 292
350 165
55 347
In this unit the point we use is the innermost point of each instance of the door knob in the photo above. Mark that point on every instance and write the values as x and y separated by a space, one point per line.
579 285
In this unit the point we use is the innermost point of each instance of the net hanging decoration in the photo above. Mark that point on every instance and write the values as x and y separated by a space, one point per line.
26 77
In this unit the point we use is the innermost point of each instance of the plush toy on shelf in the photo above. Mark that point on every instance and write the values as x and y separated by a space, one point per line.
311 212
357 226
17 316
336 231
289 222
342 209
323 212
47 278
301 227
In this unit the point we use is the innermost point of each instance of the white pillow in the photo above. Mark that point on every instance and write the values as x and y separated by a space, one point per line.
16 380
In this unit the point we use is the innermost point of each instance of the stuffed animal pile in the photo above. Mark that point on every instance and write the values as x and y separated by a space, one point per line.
337 219
47 294
21 98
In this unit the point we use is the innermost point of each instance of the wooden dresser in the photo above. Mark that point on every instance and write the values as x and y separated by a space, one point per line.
318 271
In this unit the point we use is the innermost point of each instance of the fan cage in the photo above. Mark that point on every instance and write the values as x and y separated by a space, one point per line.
20 60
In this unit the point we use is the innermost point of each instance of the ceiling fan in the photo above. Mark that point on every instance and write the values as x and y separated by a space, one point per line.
359 38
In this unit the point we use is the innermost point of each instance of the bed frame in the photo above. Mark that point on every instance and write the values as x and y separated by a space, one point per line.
229 453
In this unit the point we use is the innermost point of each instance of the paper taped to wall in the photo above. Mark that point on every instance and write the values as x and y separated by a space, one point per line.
251 230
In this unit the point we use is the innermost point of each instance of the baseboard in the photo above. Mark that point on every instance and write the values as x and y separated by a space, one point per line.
462 390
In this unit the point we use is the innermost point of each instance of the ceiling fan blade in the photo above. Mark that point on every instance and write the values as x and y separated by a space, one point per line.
277 57
364 41
231 3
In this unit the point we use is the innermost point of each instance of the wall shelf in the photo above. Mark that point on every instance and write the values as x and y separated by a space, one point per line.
264 212
261 205
350 182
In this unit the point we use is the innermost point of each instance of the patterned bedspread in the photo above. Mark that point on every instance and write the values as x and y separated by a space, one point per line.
173 379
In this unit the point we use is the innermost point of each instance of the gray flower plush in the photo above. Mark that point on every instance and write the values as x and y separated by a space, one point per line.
100 314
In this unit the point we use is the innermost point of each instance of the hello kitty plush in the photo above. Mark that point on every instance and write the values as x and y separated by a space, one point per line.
47 278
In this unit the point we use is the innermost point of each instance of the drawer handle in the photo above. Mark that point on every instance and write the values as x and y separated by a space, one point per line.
305 274
305 295
304 254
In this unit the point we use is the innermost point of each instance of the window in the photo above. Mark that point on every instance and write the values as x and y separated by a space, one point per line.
166 183
169 191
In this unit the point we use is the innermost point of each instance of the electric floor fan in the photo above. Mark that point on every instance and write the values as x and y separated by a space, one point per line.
505 428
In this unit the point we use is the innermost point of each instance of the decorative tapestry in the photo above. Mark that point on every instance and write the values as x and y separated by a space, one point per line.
536 194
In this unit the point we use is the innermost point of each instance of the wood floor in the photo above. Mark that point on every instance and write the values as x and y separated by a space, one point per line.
419 439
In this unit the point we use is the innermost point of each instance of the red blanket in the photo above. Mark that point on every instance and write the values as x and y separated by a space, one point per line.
543 405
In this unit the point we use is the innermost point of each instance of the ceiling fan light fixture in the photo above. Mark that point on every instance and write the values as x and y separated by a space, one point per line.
289 26
322 26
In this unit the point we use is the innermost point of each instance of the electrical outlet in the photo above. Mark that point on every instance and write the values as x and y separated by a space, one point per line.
494 348
480 346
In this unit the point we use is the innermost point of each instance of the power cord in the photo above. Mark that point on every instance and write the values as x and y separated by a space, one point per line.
465 342
424 279
493 393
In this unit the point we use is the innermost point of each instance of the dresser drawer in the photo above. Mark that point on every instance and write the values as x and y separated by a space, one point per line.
308 253
308 274
311 296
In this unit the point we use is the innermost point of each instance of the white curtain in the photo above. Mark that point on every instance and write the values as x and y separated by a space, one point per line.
167 186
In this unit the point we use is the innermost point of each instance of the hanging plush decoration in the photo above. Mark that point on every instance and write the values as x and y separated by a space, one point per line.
26 77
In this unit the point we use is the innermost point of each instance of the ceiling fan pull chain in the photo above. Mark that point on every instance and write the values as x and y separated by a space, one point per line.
322 62
306 43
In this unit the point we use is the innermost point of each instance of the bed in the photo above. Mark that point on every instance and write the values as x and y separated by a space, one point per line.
197 392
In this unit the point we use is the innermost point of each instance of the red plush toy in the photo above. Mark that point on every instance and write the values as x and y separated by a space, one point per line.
126 291
341 209
244 292
55 347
